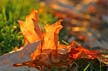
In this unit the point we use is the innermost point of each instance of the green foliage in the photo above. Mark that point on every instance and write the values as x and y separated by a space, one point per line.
10 12
10 36
85 69
90 65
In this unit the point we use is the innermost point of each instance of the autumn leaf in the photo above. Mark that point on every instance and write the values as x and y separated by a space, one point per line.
29 27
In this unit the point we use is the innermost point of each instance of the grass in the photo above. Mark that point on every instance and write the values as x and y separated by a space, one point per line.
10 12
10 36
91 65
85 69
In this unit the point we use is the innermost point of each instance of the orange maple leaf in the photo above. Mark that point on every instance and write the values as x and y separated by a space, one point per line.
49 38
30 28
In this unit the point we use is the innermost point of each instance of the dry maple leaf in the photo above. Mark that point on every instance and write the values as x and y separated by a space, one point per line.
50 39
50 50
81 52
30 28
51 35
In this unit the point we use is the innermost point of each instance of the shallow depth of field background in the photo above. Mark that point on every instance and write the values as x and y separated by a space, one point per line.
10 36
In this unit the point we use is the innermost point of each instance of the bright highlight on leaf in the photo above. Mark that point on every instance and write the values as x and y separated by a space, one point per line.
30 28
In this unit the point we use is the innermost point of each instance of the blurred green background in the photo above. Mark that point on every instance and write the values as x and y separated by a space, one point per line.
10 36
10 12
